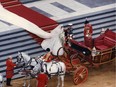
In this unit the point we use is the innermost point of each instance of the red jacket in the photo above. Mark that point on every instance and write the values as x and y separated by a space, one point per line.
48 57
9 68
86 28
42 80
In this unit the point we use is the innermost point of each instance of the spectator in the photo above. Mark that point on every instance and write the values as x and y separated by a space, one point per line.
9 70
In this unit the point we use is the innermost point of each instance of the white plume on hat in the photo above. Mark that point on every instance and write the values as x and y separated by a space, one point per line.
103 29
70 24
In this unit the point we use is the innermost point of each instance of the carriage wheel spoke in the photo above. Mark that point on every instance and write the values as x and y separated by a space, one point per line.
76 79
80 75
83 73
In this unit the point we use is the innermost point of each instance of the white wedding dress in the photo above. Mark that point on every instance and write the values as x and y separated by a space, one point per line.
52 39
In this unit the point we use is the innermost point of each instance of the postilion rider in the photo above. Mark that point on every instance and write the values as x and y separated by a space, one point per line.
48 58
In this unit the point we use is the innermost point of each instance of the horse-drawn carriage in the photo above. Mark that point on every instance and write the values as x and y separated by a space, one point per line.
78 57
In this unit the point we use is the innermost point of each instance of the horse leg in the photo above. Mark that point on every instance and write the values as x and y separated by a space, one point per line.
62 79
29 82
58 85
3 83
24 84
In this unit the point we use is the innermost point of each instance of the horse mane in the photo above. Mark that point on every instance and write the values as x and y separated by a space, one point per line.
25 55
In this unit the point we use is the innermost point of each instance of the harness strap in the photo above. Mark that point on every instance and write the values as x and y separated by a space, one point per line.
59 71
49 74
41 64
59 68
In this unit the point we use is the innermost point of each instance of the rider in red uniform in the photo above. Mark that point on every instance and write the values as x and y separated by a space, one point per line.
42 79
88 30
48 57
9 70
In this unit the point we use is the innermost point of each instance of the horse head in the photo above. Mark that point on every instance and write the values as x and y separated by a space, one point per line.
38 67
22 59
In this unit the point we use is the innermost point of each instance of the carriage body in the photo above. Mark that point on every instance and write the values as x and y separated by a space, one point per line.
99 58
78 57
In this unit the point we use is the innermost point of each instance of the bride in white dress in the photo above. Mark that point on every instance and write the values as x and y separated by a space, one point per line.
51 40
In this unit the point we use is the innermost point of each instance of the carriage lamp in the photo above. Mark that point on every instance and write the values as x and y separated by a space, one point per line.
102 31
94 52
84 52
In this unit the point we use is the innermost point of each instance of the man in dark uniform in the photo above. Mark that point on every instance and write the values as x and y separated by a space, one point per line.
69 30
9 70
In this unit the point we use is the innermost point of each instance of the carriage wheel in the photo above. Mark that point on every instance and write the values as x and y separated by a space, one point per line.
80 75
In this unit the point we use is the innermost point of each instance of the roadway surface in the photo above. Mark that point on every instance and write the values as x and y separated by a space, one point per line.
104 76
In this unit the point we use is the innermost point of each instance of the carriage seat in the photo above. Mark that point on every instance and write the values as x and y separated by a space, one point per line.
105 41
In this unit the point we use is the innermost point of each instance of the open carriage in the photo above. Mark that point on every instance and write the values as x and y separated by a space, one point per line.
78 57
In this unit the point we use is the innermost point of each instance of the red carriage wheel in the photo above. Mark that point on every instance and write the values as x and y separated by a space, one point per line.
80 75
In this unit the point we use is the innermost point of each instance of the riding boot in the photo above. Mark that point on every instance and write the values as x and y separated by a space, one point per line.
8 82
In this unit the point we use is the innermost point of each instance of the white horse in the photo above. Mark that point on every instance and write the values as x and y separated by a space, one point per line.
26 63
1 81
51 68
